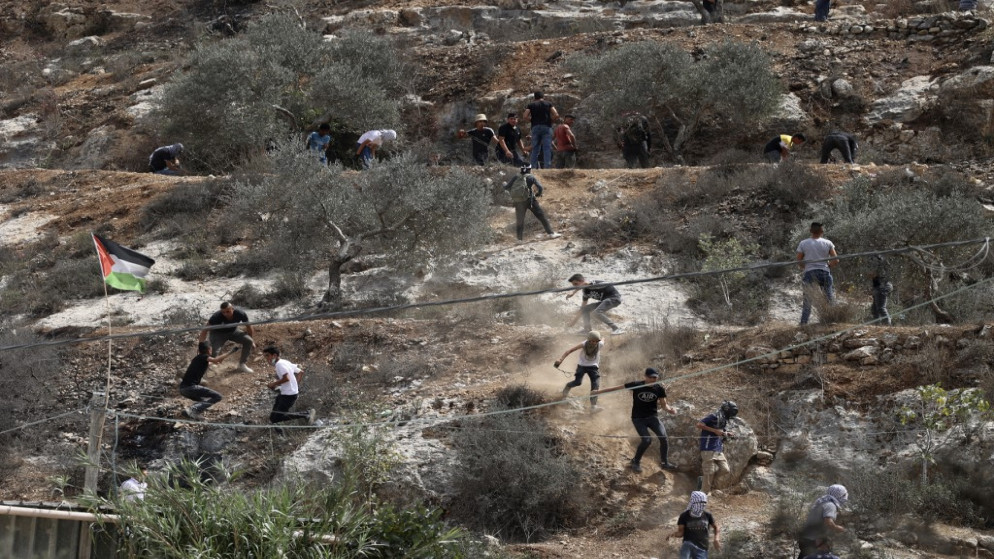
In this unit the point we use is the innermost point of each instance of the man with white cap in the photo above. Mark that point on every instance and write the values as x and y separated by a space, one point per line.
370 142
481 136
694 525
820 524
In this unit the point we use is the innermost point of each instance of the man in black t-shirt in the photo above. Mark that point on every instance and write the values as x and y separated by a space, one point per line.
480 137
220 336
694 525
190 386
509 140
541 114
646 396
607 298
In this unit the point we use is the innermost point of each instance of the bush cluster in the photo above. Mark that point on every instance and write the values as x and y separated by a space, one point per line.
515 479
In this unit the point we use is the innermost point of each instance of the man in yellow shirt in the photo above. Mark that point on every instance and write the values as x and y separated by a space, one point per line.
779 148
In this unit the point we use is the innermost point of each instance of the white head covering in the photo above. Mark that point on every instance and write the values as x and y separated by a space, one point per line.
837 494
698 501
389 134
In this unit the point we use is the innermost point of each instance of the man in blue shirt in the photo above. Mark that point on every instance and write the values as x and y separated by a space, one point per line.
319 141
713 433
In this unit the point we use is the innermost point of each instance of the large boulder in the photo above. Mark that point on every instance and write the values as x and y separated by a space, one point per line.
907 103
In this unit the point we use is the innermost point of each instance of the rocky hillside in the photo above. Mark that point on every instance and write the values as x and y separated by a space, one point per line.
819 404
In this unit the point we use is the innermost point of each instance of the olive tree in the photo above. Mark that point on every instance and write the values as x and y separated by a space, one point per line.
733 82
401 210
889 212
239 94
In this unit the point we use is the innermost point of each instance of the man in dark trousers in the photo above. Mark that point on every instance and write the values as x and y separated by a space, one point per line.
288 376
165 160
845 143
778 149
820 523
646 396
882 288
605 294
635 141
190 386
524 198
541 114
509 142
219 336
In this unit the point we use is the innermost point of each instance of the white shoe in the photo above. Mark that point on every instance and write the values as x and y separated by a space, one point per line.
192 414
617 331
243 368
312 416
596 409
554 235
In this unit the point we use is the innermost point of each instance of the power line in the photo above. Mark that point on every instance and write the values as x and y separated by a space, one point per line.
480 298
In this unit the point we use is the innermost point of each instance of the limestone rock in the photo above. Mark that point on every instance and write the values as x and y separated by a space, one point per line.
906 104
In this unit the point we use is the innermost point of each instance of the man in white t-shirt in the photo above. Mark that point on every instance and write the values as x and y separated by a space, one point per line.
815 259
287 376
133 489
369 142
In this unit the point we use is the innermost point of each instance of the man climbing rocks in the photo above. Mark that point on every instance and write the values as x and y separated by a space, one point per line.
588 364
819 526
713 433
541 114
288 376
647 394
190 386
605 294
845 143
635 140
882 288
778 149
813 258
524 199
220 336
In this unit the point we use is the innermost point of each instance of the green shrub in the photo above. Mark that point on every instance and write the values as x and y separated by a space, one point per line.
514 479
183 209
733 83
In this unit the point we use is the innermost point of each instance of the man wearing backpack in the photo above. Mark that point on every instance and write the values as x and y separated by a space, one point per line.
520 189
635 141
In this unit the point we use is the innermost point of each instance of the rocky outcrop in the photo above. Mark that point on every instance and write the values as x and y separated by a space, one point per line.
907 103
938 27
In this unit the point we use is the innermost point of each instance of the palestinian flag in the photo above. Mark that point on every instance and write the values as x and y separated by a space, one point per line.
122 267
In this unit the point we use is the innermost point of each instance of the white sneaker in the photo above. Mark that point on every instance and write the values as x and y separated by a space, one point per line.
596 409
243 368
312 415
192 414
617 331
554 235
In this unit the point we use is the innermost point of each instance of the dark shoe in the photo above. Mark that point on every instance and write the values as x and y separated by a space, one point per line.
668 466
635 467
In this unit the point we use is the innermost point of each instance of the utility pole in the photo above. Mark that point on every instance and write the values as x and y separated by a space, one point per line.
97 417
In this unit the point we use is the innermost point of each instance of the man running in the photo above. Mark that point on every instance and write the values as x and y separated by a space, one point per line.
287 376
587 364
646 396
713 433
190 386
219 336
607 298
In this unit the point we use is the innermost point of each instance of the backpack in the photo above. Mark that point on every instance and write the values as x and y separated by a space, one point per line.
520 190
634 131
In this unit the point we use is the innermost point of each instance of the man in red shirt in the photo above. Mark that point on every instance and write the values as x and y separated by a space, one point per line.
565 144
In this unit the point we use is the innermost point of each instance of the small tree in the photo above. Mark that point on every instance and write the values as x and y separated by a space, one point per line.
939 416
733 82
401 209
721 255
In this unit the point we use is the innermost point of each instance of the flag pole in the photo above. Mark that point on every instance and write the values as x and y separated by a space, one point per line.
110 341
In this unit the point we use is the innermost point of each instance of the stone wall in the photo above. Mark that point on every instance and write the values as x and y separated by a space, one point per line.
937 27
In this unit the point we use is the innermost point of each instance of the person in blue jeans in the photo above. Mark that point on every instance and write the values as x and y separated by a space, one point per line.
816 257
821 9
693 526
541 114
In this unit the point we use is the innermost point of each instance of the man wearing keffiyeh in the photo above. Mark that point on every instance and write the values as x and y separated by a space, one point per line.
693 526
814 536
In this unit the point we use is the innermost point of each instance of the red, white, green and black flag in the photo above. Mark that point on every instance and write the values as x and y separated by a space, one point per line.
122 267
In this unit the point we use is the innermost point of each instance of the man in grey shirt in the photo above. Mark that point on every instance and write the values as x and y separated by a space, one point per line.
820 524
813 258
